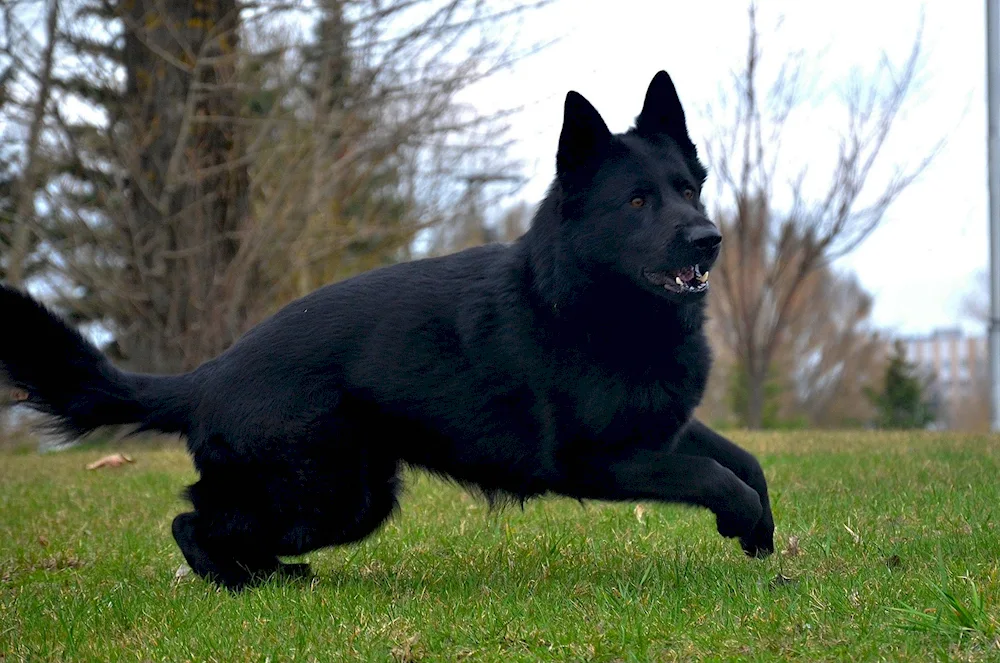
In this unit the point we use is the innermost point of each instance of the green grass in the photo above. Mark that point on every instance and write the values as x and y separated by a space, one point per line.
898 559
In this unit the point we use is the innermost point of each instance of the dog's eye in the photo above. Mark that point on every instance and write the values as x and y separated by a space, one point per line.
688 194
638 202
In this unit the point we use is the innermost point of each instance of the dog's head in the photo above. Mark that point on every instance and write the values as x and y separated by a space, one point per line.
631 202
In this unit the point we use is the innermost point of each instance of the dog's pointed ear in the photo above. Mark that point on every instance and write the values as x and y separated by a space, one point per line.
662 113
585 137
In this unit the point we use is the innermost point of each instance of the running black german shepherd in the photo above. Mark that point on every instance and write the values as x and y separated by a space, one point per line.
568 362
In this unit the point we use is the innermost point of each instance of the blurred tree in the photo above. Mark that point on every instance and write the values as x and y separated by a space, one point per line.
8 181
770 256
976 303
28 40
352 210
385 152
830 351
827 355
207 166
474 227
29 65
739 395
151 197
901 402
972 412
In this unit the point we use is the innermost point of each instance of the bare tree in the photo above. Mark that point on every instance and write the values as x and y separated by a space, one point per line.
831 351
380 153
473 227
770 253
149 199
237 167
31 65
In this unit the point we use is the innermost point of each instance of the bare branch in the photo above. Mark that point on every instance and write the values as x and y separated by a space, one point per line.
772 257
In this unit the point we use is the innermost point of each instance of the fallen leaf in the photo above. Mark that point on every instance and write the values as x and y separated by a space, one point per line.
781 580
182 572
405 652
114 460
793 547
43 540
60 562
640 513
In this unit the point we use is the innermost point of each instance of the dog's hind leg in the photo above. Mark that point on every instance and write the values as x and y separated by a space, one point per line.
340 504
219 560
332 487
229 538
698 439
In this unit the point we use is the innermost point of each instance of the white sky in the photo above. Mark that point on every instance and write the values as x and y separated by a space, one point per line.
926 256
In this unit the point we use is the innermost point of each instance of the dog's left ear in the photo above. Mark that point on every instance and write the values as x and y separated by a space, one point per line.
662 113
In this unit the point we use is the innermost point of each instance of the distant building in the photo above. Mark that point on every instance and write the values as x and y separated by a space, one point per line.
955 365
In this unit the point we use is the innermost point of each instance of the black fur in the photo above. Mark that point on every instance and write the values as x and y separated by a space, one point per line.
553 365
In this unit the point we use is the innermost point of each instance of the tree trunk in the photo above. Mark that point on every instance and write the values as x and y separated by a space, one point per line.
756 398
21 243
187 191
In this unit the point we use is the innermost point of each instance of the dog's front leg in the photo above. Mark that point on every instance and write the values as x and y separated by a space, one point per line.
644 474
697 439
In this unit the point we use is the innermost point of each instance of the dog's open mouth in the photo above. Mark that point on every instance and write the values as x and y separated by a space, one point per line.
686 280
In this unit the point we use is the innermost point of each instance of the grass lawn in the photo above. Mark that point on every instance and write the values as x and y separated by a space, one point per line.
897 558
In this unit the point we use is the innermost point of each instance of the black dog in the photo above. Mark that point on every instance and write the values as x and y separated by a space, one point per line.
569 362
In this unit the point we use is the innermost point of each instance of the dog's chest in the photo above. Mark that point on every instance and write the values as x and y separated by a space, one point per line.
611 408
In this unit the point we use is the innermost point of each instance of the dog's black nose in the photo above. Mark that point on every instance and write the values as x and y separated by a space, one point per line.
704 236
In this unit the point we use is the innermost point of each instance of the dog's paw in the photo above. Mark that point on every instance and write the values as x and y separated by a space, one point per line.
760 543
738 518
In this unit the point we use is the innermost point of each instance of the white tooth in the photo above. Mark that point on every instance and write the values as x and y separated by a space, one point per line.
703 277
679 282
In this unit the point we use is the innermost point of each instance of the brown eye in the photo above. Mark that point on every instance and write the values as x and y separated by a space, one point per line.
638 202
688 194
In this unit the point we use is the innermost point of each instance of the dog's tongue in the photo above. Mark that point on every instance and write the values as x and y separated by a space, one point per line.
686 274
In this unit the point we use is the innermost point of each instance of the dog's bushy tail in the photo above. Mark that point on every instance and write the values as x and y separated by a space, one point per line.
52 368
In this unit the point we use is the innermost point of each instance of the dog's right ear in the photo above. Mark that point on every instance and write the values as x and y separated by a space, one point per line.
662 113
585 137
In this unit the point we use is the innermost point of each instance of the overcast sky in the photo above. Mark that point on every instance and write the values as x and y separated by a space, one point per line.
931 248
